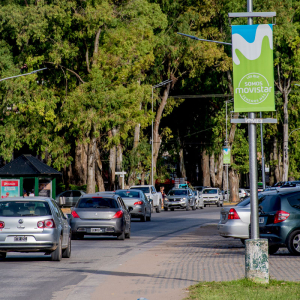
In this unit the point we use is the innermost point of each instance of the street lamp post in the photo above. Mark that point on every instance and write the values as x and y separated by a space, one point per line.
153 87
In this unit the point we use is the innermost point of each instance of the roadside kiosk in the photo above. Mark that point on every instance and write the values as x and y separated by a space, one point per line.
27 174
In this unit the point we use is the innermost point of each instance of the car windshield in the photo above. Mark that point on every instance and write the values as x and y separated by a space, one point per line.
128 194
97 202
177 192
145 189
199 188
212 191
24 208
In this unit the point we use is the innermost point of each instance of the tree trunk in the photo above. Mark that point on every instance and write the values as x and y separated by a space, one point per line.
119 161
112 162
272 167
99 172
156 136
91 166
181 164
205 168
80 168
234 186
212 169
219 171
276 159
143 178
285 137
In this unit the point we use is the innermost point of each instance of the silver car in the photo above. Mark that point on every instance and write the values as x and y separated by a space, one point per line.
234 220
212 196
34 224
180 198
137 204
69 198
100 214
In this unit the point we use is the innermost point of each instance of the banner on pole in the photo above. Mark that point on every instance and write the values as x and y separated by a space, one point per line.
226 155
253 73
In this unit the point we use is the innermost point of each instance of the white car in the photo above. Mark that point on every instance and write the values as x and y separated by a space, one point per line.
212 196
198 199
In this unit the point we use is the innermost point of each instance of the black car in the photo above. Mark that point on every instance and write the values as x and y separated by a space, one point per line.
279 220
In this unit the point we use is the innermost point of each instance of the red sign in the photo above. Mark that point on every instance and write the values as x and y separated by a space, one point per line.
9 183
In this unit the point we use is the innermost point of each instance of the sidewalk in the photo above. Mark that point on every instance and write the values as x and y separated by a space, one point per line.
165 272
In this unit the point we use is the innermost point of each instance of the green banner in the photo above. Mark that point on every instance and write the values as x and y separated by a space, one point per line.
253 69
226 155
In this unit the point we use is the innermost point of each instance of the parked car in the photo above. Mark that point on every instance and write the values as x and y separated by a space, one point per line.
212 196
136 203
243 193
200 188
100 214
279 221
34 224
234 220
180 198
152 195
198 199
69 198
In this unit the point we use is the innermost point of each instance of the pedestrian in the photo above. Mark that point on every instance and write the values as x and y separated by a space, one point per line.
32 193
162 190
24 193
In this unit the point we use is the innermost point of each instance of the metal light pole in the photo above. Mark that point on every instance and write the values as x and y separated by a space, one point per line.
153 87
226 144
35 71
262 154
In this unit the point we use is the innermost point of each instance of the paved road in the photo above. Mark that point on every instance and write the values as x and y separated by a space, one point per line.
34 276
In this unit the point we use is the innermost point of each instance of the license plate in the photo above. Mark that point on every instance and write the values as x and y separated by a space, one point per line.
261 220
20 238
96 229
223 217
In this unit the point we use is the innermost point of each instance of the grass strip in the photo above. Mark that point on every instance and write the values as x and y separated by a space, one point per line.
244 289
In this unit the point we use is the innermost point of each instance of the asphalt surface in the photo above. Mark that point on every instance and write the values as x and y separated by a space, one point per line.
94 259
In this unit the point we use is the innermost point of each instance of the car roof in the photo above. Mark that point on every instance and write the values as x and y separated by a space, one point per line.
107 194
146 185
38 198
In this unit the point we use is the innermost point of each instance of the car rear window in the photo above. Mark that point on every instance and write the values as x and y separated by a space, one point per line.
97 202
128 194
294 201
24 208
269 203
177 192
145 189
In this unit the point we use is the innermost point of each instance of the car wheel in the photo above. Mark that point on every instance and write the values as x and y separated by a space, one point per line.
188 207
158 208
293 243
171 209
143 217
2 255
165 209
149 217
56 255
273 249
127 235
194 207
121 236
66 253
204 205
218 204
221 204
201 207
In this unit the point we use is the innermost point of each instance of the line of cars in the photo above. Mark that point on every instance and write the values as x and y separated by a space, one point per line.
37 224
279 219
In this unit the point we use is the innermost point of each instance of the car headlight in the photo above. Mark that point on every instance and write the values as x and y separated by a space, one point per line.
183 199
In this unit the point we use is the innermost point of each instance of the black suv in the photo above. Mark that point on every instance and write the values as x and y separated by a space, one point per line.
279 220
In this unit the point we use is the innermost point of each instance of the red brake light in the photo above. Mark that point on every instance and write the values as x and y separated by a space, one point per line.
2 224
281 216
138 203
118 215
74 214
46 224
233 215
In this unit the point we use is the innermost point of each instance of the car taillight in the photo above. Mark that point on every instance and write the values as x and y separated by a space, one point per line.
118 215
46 224
138 203
281 216
2 224
74 214
233 215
